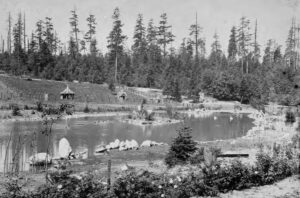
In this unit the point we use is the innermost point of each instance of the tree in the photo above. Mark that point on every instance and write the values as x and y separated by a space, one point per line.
290 51
183 146
165 36
74 27
139 49
232 46
49 34
151 33
198 42
244 41
9 32
89 35
216 56
115 41
256 47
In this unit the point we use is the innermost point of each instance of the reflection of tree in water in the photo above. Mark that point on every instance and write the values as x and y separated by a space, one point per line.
147 131
16 149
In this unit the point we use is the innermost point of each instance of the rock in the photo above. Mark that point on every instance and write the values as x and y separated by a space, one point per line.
40 159
100 149
64 148
134 144
153 143
123 148
146 143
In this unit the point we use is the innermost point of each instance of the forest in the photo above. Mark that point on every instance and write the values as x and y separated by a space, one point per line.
243 72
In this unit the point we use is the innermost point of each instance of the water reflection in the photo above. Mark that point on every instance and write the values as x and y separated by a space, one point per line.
87 133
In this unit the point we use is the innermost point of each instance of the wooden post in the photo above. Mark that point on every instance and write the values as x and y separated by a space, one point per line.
108 172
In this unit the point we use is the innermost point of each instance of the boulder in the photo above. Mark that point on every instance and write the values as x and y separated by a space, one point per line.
100 149
40 159
146 143
64 148
134 144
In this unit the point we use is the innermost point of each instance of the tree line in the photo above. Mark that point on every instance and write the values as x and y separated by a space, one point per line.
152 61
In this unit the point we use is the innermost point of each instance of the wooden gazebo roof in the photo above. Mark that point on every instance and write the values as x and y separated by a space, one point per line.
67 91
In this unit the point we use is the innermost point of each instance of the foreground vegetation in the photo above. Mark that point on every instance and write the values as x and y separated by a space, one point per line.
209 177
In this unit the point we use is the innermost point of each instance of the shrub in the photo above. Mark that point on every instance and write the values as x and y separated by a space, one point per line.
198 156
26 107
149 116
290 117
16 110
112 87
39 106
137 185
86 109
182 147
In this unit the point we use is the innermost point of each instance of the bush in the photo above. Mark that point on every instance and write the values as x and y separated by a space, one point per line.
182 147
290 117
39 106
16 110
149 116
86 109
198 156
112 87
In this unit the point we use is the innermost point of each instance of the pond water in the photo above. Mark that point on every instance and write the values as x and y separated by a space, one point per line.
88 133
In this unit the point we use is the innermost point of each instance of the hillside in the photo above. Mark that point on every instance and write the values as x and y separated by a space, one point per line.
35 90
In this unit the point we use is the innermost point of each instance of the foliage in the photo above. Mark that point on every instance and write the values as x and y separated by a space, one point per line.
15 110
290 117
86 109
39 106
198 156
183 146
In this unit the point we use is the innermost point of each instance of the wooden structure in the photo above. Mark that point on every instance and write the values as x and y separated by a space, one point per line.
67 94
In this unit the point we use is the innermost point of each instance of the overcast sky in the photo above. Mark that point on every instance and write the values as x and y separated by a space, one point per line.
273 16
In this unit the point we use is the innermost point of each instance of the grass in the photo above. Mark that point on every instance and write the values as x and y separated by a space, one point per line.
36 89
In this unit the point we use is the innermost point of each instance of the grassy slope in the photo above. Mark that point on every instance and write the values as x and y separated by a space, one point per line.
35 90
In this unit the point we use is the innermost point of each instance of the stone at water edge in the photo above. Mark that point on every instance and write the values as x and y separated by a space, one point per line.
100 149
146 143
64 148
134 144
40 158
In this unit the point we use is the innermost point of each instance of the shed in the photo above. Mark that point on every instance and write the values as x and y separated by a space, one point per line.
67 94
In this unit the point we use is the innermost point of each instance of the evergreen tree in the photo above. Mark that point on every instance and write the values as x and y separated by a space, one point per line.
290 51
90 34
256 47
151 33
115 42
232 46
74 27
244 42
165 36
183 146
139 49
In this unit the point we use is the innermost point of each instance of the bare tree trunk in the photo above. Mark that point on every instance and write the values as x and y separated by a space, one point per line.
9 34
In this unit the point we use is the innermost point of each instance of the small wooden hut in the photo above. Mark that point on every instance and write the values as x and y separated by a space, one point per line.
67 94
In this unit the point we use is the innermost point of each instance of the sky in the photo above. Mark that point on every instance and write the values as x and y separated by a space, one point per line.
214 16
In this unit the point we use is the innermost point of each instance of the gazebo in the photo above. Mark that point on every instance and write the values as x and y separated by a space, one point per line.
67 94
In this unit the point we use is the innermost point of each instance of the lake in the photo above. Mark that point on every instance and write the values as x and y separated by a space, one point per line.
87 133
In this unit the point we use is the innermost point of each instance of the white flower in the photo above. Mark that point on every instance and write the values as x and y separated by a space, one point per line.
178 178
171 181
175 186
162 195
159 186
152 183
59 186
256 172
